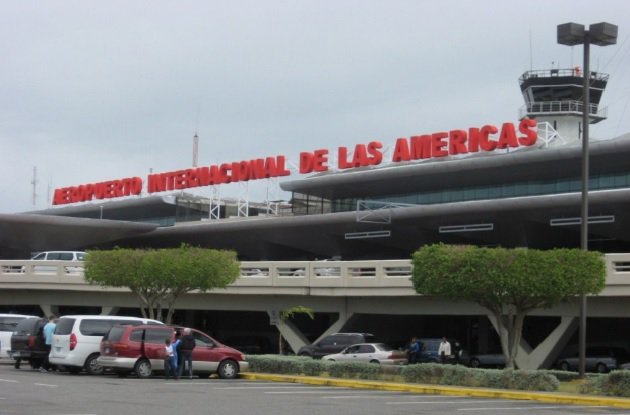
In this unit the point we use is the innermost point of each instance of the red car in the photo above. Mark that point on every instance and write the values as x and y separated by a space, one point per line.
140 349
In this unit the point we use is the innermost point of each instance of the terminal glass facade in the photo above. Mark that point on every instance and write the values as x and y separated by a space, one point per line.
308 205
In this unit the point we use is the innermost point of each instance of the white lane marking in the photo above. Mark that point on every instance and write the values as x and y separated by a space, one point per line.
455 402
525 408
273 387
45 384
358 396
297 392
9 380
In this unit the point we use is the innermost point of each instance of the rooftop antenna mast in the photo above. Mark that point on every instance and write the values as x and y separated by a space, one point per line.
195 150
195 159
34 184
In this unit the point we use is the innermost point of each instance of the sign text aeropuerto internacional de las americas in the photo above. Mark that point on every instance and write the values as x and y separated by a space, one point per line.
455 142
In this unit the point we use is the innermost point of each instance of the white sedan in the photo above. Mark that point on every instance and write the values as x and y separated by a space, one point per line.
369 353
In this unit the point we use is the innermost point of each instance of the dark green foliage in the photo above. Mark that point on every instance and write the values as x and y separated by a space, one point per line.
159 276
526 277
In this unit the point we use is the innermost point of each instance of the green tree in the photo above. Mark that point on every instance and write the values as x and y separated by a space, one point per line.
510 283
158 277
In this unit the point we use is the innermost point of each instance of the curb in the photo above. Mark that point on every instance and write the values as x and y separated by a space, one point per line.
547 397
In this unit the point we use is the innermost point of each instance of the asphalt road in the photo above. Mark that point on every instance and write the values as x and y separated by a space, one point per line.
28 392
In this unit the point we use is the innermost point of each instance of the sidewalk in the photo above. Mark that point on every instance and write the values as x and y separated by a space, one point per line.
548 397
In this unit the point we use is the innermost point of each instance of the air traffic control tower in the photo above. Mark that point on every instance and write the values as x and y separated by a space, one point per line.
555 96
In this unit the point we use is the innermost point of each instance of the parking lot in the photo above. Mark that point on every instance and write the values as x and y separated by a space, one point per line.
29 392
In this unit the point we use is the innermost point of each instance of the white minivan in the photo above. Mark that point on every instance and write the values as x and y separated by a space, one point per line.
8 323
77 339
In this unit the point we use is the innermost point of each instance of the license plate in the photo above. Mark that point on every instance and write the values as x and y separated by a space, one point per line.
107 350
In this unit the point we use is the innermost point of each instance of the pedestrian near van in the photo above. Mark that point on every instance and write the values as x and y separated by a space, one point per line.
414 350
444 350
177 355
48 331
169 369
186 348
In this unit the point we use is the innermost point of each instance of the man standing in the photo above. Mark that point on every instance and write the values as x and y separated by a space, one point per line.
186 346
415 349
48 331
444 350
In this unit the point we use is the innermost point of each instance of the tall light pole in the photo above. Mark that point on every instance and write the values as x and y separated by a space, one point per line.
571 34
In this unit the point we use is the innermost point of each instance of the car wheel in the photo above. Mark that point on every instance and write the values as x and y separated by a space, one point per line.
228 369
564 366
601 368
375 361
92 366
143 368
475 363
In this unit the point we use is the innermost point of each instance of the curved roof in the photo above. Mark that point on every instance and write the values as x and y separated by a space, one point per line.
482 169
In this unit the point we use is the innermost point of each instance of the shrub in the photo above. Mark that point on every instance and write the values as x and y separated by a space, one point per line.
350 370
616 383
429 373
433 373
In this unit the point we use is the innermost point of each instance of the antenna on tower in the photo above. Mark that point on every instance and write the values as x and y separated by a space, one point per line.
34 184
196 139
195 150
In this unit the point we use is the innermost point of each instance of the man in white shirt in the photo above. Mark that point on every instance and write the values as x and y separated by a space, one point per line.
445 350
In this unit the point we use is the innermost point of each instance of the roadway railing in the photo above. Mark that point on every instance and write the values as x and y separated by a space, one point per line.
307 274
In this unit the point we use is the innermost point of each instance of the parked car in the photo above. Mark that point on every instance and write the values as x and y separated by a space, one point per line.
27 341
495 360
140 349
598 359
369 353
8 323
430 347
77 339
334 344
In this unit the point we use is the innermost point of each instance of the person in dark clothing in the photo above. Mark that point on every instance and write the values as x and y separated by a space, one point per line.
186 346
414 350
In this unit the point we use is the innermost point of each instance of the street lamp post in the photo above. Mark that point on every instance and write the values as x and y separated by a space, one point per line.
571 34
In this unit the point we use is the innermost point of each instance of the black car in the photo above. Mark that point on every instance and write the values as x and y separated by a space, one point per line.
27 342
335 343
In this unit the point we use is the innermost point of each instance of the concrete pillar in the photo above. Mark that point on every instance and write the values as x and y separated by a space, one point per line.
49 310
545 354
109 311
547 351
294 337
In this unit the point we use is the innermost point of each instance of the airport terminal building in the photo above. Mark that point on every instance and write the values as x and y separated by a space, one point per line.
514 184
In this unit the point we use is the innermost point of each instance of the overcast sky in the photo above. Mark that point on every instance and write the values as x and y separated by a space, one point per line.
94 91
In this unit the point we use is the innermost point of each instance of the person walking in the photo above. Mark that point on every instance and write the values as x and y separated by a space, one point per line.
48 331
444 350
186 349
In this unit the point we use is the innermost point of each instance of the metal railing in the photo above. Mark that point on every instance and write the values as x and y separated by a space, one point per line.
572 106
313 274
548 73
